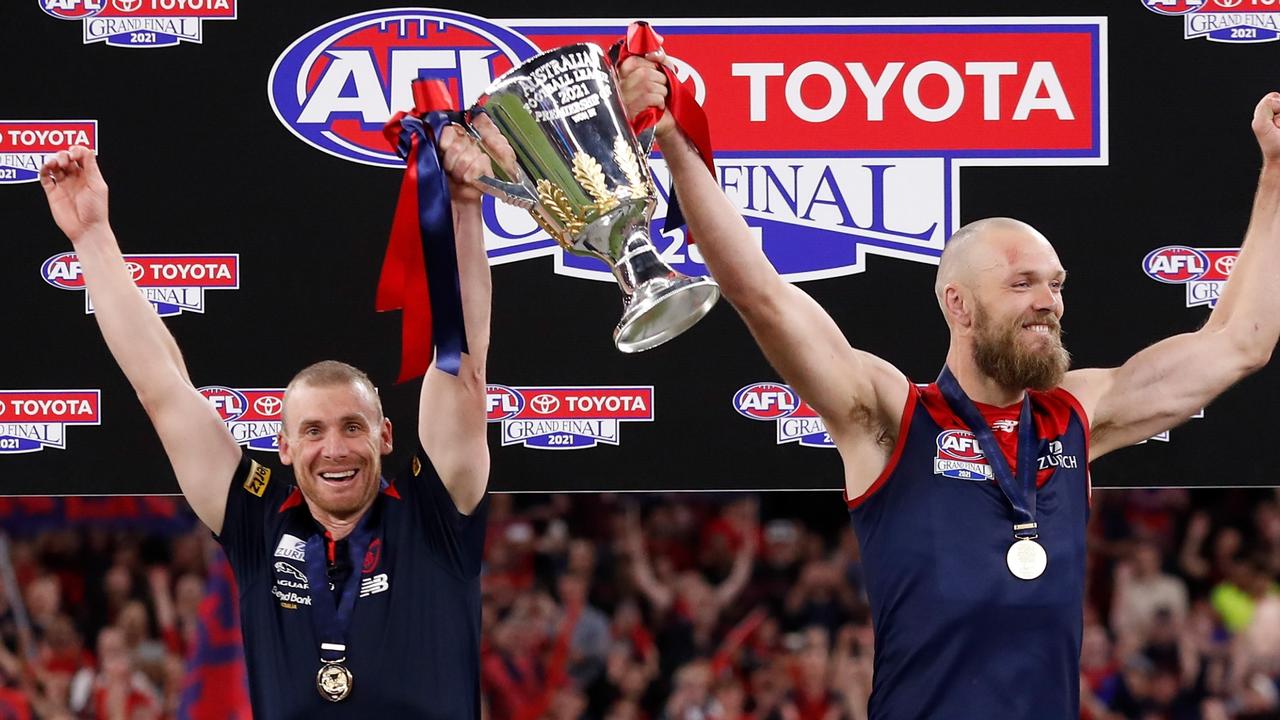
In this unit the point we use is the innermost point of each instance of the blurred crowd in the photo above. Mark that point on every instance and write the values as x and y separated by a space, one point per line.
664 607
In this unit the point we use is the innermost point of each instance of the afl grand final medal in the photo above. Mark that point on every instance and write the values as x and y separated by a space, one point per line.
1027 559
334 681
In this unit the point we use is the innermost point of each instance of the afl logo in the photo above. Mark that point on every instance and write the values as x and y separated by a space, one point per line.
502 402
766 401
230 404
72 9
1175 264
336 86
959 445
1173 7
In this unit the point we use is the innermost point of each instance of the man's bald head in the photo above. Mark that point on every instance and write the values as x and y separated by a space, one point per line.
971 250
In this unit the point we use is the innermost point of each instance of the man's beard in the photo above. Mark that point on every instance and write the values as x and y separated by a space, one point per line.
1002 357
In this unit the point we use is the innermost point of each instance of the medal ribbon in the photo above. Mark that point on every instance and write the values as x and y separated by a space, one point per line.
1021 491
685 110
420 269
332 620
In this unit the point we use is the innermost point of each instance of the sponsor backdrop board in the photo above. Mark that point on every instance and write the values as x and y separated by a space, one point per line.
253 194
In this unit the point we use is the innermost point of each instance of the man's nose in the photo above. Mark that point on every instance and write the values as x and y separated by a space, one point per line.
1045 298
333 446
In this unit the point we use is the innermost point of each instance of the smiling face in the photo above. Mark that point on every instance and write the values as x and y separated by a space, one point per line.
334 436
1011 283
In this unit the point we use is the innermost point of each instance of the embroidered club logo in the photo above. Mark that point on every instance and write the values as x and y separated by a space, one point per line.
336 86
959 456
1226 21
252 416
795 420
173 284
372 556
141 23
25 145
567 418
32 420
1203 271
842 139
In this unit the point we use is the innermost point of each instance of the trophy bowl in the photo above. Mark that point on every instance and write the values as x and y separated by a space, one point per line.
583 175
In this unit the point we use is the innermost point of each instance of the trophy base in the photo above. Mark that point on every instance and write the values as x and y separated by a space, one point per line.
663 308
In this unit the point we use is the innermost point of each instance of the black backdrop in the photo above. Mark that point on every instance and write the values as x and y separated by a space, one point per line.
198 163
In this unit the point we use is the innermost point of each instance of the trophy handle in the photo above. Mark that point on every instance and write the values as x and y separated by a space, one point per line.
512 193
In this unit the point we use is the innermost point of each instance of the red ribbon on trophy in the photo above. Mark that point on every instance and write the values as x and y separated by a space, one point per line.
642 39
420 270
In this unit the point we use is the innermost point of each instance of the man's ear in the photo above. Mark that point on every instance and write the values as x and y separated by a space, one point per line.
283 448
386 436
959 306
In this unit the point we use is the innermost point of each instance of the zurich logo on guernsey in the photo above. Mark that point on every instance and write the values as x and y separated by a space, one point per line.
337 85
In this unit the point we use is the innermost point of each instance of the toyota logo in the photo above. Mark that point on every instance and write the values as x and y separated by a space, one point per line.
545 404
136 271
1225 264
127 6
268 405
3 407
1229 3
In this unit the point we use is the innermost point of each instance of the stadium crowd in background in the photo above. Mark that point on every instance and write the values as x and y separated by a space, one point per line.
662 607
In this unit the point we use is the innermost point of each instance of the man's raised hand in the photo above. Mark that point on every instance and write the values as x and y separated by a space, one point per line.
1266 126
76 192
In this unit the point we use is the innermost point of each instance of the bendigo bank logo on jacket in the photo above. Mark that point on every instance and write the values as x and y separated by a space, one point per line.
836 138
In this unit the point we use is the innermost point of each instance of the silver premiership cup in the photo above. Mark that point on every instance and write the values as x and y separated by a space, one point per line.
583 175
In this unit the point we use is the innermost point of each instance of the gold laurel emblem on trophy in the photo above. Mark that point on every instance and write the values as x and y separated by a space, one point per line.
640 184
554 199
590 175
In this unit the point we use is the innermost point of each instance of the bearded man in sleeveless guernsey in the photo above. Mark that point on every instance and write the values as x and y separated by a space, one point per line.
970 495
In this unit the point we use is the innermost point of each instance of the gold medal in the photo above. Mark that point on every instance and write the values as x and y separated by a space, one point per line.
334 681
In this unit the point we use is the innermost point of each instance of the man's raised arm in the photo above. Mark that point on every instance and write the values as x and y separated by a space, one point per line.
1170 381
201 450
857 394
451 417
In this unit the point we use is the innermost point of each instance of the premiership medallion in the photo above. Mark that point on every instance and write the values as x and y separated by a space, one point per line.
1027 559
334 681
